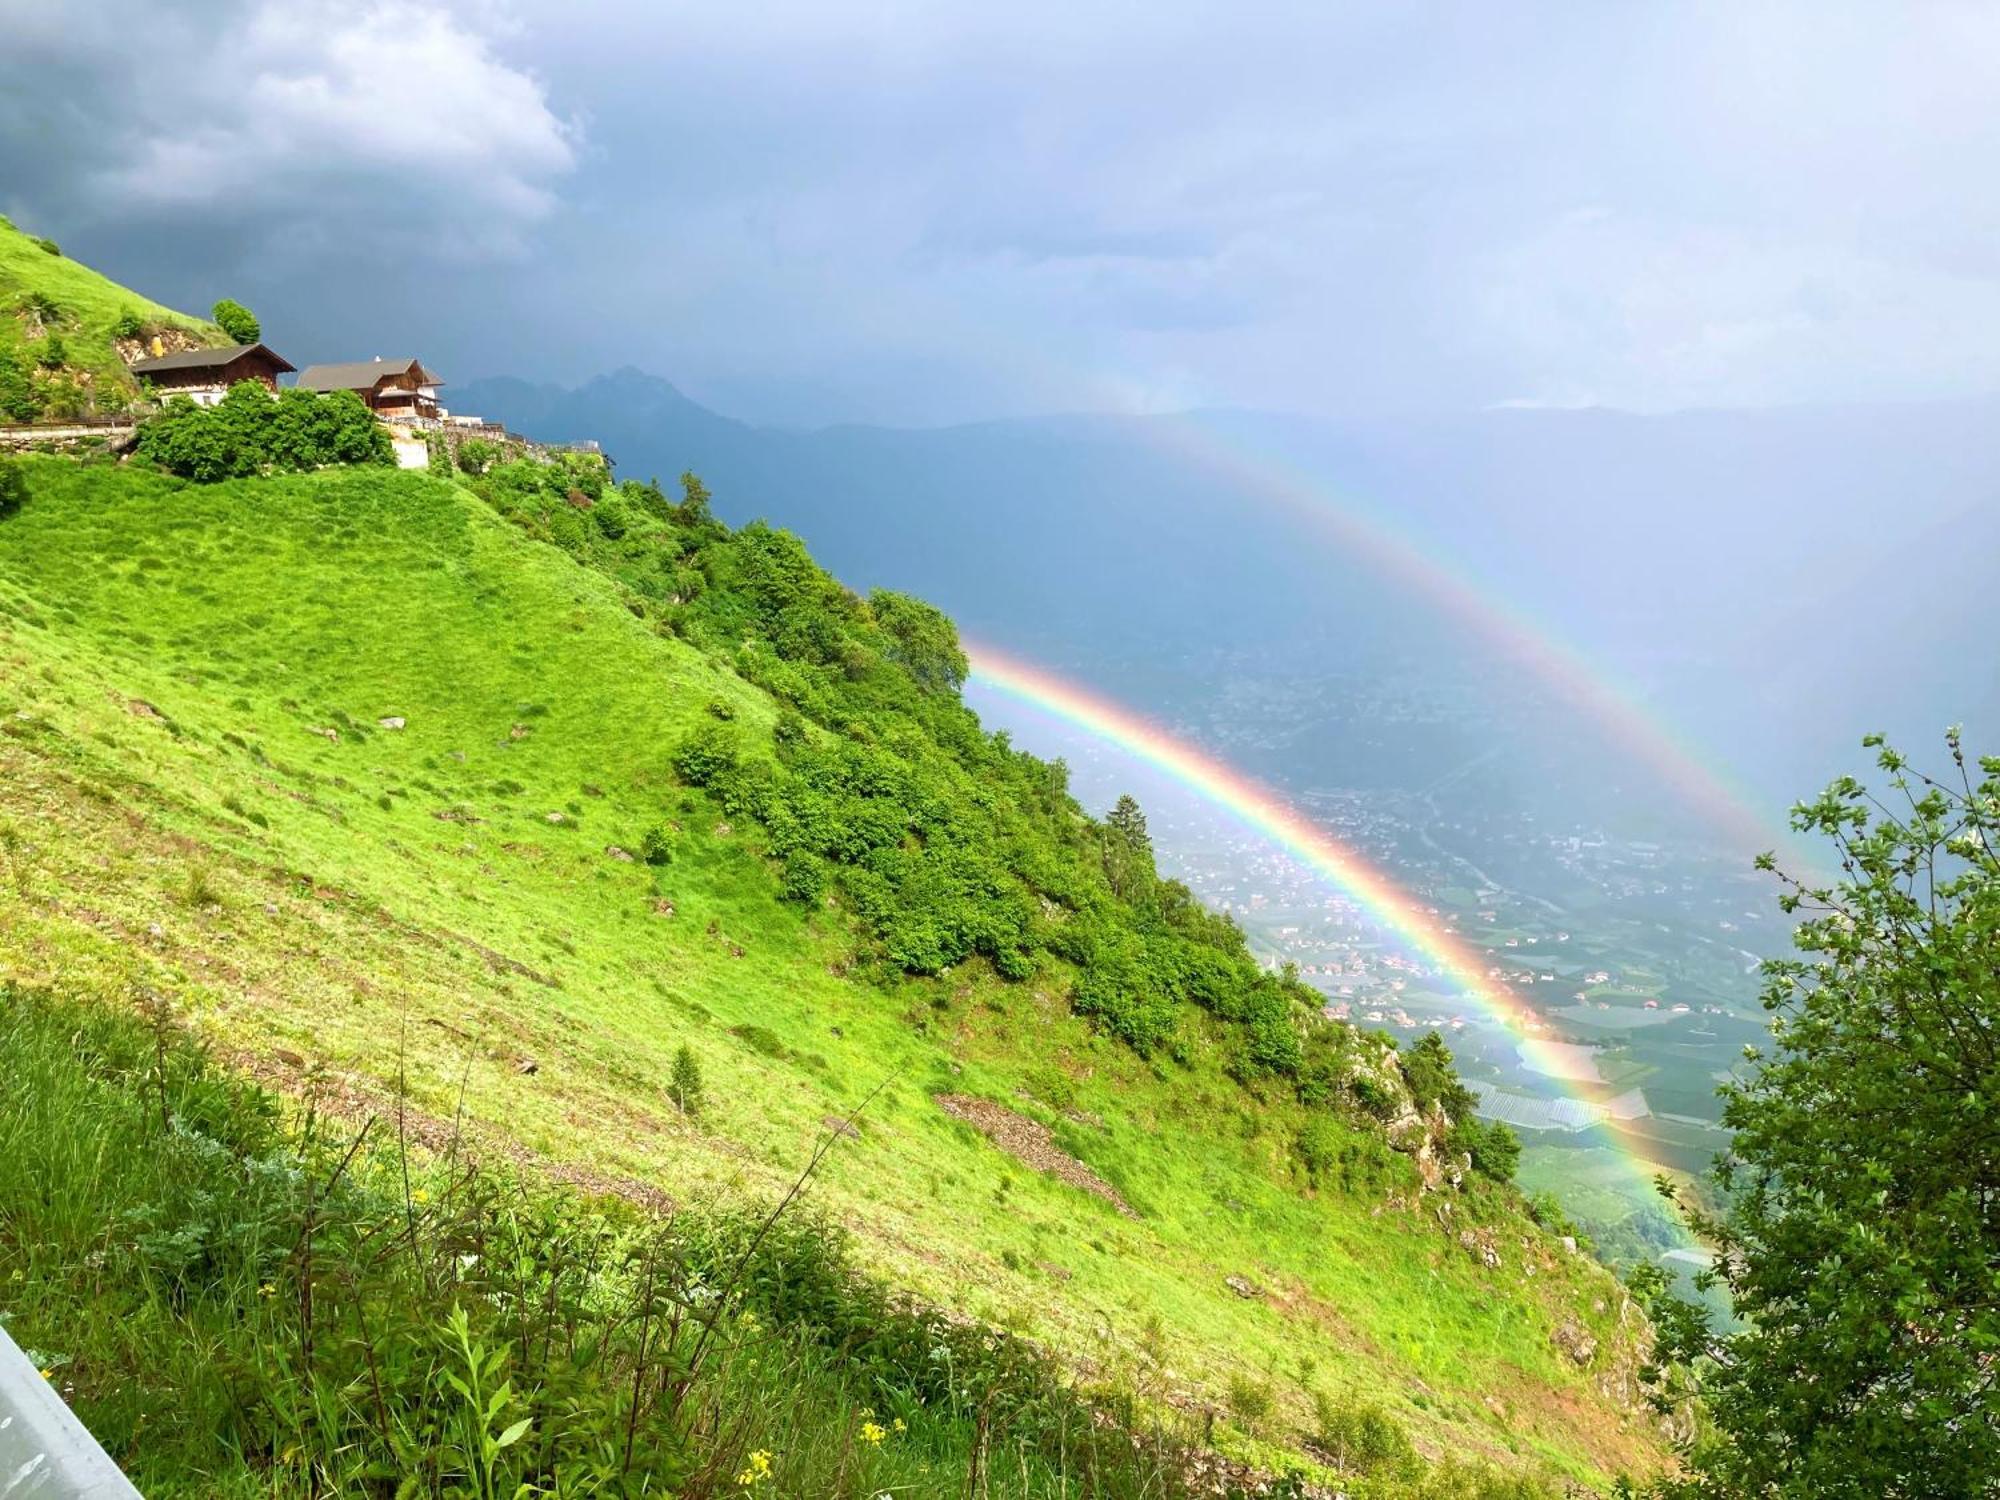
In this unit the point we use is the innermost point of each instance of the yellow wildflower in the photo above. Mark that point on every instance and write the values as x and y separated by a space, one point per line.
899 1425
873 1432
418 1195
756 1469
48 1372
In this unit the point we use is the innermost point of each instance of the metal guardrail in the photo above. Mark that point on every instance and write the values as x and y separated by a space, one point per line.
45 1453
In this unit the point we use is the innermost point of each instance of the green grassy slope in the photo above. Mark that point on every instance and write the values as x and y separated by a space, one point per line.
87 305
197 800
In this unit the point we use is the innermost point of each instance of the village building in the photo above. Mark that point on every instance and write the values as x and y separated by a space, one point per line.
205 375
392 388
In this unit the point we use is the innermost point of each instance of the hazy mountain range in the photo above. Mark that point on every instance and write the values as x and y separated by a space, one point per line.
1772 583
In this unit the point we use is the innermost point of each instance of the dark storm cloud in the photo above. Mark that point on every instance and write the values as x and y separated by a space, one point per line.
919 212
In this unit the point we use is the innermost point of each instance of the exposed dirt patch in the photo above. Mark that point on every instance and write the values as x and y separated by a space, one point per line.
1029 1140
360 1100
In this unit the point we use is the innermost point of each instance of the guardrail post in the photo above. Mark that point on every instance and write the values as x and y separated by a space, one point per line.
45 1453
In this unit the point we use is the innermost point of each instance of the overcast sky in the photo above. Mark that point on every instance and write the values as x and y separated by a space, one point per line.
904 212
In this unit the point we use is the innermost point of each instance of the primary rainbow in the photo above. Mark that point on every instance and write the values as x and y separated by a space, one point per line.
1266 814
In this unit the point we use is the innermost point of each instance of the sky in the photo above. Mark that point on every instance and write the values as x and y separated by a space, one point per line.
805 212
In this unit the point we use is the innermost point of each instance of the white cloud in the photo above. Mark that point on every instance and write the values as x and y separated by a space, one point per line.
1652 315
395 130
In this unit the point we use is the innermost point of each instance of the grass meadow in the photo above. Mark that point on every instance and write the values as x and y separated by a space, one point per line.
205 816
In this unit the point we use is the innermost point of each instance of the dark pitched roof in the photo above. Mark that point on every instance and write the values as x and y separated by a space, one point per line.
360 374
208 359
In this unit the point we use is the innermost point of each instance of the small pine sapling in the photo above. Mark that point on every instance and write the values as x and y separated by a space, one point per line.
684 1085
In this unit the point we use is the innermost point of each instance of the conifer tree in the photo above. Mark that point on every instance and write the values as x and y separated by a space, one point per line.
684 1085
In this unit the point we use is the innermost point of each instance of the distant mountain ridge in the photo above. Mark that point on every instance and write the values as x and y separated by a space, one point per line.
1734 571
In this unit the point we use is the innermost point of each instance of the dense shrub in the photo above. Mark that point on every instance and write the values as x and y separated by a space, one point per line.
1495 1150
477 455
52 353
128 325
1429 1070
1372 1096
250 431
684 1084
49 246
1349 1159
1360 1437
706 754
804 877
922 640
64 397
236 320
13 487
18 399
656 846
1250 1401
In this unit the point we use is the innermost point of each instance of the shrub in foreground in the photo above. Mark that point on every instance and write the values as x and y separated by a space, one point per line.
239 1307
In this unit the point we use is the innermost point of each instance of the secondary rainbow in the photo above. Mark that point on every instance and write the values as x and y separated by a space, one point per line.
1422 564
1265 813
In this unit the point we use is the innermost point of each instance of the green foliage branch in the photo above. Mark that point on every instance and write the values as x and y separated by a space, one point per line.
1859 1240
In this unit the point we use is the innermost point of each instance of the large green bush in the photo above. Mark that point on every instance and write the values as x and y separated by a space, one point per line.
251 431
706 755
1360 1436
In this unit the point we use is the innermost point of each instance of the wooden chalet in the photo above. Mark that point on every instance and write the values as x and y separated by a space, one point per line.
205 375
391 387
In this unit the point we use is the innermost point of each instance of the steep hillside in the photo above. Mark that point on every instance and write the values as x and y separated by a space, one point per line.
363 780
66 333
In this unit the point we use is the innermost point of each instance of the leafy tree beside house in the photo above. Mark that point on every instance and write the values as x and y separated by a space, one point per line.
236 320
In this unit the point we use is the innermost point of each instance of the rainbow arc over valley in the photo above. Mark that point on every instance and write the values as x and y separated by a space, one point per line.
1265 813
